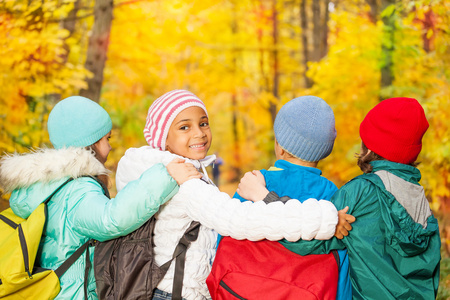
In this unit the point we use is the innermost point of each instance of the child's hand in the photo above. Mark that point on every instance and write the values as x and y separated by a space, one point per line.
343 226
181 171
253 186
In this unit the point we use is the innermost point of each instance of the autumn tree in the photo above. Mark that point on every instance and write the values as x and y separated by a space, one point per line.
98 48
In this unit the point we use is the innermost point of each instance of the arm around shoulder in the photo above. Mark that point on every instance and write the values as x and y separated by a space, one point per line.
255 221
104 219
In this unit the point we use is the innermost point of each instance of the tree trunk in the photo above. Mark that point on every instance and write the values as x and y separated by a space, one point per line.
324 30
387 76
304 26
234 104
69 23
98 47
276 73
264 87
373 14
319 47
316 31
428 24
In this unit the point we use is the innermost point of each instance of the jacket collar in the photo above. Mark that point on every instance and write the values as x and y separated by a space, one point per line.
46 165
406 172
284 164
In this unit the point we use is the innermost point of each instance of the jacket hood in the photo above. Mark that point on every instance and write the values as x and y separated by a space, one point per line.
34 176
405 208
46 165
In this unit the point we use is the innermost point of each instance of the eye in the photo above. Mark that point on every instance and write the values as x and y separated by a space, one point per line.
184 127
204 124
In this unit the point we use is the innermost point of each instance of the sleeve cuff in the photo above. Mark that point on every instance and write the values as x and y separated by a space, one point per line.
272 197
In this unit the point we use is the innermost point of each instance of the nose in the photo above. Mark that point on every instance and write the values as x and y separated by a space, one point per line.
198 132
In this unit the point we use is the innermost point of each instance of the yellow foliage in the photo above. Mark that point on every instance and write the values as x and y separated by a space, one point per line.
348 79
223 51
32 67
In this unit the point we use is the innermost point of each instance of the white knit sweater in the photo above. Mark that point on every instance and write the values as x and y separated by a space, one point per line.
201 202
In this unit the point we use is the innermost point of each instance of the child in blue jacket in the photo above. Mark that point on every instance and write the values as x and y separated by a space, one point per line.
304 135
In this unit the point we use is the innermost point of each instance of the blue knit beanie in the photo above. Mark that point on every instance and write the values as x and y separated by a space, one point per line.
77 122
305 128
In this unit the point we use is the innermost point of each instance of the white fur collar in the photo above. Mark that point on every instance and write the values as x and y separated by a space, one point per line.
45 165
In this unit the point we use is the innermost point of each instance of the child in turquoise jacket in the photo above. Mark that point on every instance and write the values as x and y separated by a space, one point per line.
79 130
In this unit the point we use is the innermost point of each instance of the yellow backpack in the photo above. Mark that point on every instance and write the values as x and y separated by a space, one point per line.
19 244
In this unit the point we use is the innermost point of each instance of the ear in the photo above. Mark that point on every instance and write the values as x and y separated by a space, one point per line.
278 150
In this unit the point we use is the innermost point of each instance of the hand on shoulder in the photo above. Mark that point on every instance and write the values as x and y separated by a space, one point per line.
182 171
253 186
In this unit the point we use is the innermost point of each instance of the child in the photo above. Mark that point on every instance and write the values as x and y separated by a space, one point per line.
178 126
394 247
304 131
80 130
304 135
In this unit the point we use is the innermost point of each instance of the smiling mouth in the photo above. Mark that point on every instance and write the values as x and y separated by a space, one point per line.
197 146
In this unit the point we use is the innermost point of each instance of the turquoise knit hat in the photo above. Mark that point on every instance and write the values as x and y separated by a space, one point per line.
305 128
77 122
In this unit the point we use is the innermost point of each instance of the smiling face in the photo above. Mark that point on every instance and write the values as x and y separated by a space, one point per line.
190 135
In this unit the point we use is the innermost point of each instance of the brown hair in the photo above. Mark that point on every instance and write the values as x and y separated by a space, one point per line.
364 159
103 178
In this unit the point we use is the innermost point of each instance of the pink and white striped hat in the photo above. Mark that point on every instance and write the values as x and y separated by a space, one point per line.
162 113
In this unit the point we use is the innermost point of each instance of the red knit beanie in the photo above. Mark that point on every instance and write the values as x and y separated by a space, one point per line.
394 128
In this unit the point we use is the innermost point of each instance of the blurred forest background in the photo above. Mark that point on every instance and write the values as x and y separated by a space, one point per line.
244 59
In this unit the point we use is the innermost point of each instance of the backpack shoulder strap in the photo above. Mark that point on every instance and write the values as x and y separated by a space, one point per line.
337 258
69 262
59 188
105 189
85 247
189 236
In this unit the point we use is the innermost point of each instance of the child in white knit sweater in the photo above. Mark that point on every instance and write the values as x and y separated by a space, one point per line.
178 126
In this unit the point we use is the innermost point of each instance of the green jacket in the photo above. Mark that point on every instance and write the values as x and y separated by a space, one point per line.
391 255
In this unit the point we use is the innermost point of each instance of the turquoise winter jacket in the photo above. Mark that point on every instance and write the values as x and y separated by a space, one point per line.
79 211
392 254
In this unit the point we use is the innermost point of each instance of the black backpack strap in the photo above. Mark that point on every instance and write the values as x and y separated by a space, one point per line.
85 247
60 187
69 262
105 189
336 257
87 267
189 236
72 259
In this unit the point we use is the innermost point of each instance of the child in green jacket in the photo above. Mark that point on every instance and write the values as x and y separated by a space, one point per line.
394 247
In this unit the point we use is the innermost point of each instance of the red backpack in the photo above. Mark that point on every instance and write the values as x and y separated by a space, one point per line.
244 269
